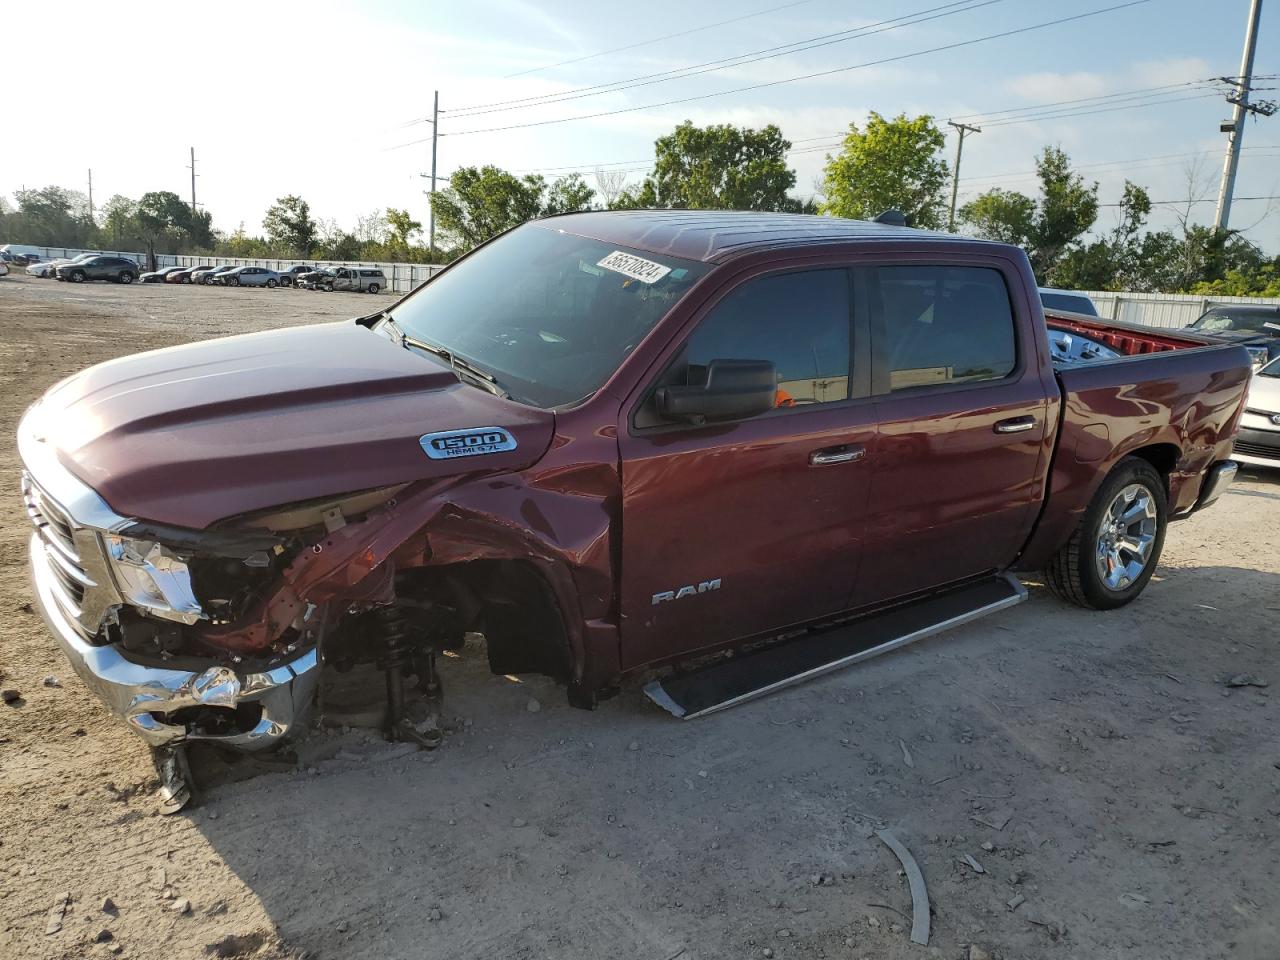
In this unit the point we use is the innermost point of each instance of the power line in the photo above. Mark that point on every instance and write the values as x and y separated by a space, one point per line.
810 76
1070 114
739 60
1166 203
992 115
669 36
1160 160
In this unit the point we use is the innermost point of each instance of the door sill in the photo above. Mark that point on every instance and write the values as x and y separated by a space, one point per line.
761 672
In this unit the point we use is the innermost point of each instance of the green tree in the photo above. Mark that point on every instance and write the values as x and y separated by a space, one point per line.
567 195
289 226
1048 226
1003 215
119 222
481 202
1116 260
720 167
51 216
892 164
402 227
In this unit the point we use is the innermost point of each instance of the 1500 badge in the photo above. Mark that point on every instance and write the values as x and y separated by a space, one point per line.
466 443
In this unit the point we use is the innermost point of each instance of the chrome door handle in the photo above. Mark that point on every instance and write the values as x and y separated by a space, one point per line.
1016 425
837 455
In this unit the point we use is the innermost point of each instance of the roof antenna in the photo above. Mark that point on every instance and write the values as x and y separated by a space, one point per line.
892 218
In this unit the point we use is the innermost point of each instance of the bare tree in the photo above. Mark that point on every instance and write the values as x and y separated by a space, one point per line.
610 184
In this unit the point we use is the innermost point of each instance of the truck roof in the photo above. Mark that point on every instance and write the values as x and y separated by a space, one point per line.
718 235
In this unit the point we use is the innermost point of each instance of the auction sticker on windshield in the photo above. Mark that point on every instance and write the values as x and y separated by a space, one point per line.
637 268
466 443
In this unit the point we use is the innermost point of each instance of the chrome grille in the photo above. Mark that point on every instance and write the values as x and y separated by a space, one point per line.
58 535
1258 450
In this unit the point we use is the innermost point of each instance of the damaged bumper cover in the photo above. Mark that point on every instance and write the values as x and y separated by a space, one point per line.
79 580
149 698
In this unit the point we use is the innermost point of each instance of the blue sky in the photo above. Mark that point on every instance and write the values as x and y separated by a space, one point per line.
317 99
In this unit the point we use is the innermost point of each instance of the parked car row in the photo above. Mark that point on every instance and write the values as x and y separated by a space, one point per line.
87 266
90 266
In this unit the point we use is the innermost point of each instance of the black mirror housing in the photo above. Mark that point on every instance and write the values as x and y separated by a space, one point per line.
735 389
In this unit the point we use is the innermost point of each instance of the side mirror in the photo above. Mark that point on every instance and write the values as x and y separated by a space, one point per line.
734 389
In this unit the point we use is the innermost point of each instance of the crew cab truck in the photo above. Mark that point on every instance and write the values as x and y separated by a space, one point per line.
610 442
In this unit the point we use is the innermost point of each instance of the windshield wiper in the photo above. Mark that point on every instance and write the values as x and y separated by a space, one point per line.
460 366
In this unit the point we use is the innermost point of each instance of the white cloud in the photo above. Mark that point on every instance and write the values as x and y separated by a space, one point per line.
1051 87
1158 73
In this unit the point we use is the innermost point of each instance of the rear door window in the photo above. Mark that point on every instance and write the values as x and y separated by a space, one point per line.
942 325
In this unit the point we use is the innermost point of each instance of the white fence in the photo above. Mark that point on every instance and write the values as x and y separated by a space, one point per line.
1162 309
401 277
1149 309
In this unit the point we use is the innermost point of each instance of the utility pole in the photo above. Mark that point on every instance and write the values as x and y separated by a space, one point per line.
962 129
1235 128
193 181
431 214
91 193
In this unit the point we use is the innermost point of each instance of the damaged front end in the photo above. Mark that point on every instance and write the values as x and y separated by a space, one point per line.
124 605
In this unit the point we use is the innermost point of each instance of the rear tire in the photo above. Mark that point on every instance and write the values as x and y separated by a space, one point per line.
272 284
374 288
1114 551
126 277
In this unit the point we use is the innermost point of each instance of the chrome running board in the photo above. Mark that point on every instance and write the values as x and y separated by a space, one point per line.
739 679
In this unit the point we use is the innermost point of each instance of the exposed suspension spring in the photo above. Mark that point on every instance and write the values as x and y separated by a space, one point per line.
399 655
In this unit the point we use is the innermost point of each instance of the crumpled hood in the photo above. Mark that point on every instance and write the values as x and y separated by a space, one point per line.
193 434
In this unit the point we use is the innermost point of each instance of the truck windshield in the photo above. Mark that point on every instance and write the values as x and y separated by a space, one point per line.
549 314
1240 321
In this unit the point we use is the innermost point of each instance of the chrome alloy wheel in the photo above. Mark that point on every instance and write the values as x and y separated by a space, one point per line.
1125 537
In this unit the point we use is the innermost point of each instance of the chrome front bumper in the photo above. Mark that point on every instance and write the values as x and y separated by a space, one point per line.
145 697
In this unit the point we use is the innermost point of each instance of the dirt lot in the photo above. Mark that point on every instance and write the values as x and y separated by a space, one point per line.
1142 794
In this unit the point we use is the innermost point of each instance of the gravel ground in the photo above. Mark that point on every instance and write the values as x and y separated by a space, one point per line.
1121 798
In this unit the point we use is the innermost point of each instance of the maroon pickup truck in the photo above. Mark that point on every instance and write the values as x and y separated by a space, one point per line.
610 442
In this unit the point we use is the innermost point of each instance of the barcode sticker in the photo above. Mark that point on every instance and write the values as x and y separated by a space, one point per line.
637 268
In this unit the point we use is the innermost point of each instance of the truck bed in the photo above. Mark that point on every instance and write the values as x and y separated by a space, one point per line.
1129 339
1174 397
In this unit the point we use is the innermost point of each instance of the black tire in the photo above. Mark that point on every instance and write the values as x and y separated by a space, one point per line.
1074 574
328 288
232 282
77 276
272 284
185 280
374 288
126 276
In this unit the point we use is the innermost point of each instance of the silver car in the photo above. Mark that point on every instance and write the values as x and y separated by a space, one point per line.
249 277
208 275
1258 442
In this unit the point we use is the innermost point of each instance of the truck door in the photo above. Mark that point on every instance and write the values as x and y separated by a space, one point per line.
957 476
736 529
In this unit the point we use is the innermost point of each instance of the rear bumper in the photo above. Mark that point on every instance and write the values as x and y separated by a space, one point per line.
268 705
1220 476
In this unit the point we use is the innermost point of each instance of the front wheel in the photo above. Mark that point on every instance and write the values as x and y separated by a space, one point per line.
77 276
1114 551
328 288
232 282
